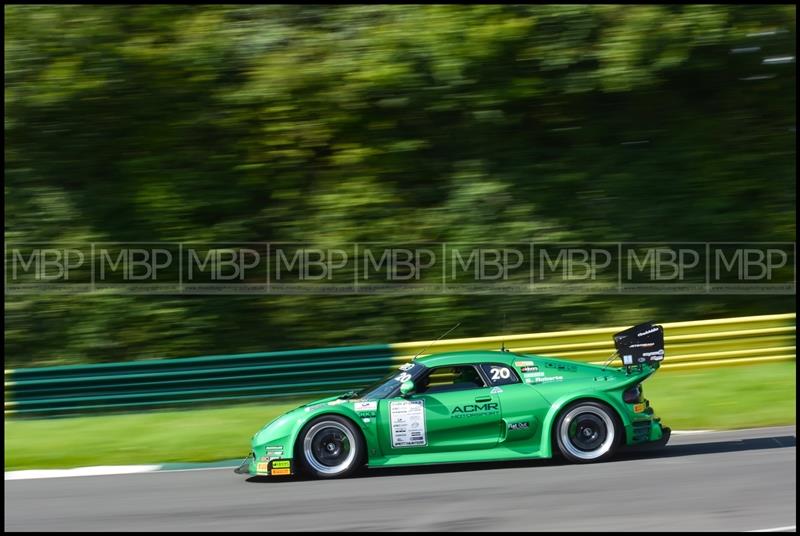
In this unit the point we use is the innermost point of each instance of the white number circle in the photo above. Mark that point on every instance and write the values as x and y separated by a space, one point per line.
500 373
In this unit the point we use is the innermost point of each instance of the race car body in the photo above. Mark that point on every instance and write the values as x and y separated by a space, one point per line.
471 406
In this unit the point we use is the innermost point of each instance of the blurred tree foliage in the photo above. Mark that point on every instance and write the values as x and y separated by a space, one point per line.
389 123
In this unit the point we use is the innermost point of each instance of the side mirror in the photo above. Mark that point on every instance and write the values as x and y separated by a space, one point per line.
407 388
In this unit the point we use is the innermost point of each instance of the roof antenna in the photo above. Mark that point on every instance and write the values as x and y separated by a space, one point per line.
440 338
503 342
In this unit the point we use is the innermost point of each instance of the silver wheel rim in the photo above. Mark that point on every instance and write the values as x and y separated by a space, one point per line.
591 415
329 447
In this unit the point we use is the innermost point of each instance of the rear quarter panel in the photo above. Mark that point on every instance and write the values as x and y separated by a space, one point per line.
606 388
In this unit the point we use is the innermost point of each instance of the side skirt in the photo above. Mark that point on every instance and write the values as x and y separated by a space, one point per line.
496 454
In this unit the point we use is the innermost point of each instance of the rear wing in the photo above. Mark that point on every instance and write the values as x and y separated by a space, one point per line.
641 344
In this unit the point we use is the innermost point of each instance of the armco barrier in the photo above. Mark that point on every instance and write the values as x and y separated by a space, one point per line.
178 382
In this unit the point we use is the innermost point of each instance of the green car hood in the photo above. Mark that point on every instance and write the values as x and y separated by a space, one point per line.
283 429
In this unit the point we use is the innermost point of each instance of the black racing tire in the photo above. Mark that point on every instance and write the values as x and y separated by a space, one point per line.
330 446
588 432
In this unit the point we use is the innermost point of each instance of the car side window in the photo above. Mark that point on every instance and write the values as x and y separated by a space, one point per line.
500 374
446 379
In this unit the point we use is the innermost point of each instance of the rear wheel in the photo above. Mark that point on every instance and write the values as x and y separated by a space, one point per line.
330 447
588 432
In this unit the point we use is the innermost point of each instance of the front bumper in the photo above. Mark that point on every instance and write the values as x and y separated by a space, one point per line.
265 466
244 467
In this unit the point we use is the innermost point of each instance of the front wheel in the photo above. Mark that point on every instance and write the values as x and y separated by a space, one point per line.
331 447
588 432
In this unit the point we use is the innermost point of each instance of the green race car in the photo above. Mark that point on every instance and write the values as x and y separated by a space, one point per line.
472 406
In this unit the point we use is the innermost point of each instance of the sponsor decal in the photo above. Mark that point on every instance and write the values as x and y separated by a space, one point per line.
523 363
337 402
649 331
639 408
530 369
533 374
407 419
261 468
604 379
519 425
549 379
280 467
366 419
406 367
365 406
642 345
561 366
496 390
468 410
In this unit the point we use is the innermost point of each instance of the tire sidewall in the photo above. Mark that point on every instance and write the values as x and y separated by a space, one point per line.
616 429
358 446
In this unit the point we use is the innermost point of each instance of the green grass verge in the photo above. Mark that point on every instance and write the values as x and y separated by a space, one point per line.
721 398
726 397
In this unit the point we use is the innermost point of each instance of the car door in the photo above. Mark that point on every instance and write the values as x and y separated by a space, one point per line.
524 409
446 416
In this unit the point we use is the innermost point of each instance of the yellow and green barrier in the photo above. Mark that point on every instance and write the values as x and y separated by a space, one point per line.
701 343
153 384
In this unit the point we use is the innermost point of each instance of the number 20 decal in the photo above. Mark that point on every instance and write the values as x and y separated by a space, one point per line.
499 373
403 377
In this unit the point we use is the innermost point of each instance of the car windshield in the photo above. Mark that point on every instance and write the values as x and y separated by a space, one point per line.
389 385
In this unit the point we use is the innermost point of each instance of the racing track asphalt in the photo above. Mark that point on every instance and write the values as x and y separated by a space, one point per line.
739 480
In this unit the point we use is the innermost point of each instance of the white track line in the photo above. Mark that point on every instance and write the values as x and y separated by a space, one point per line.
107 470
81 471
777 529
